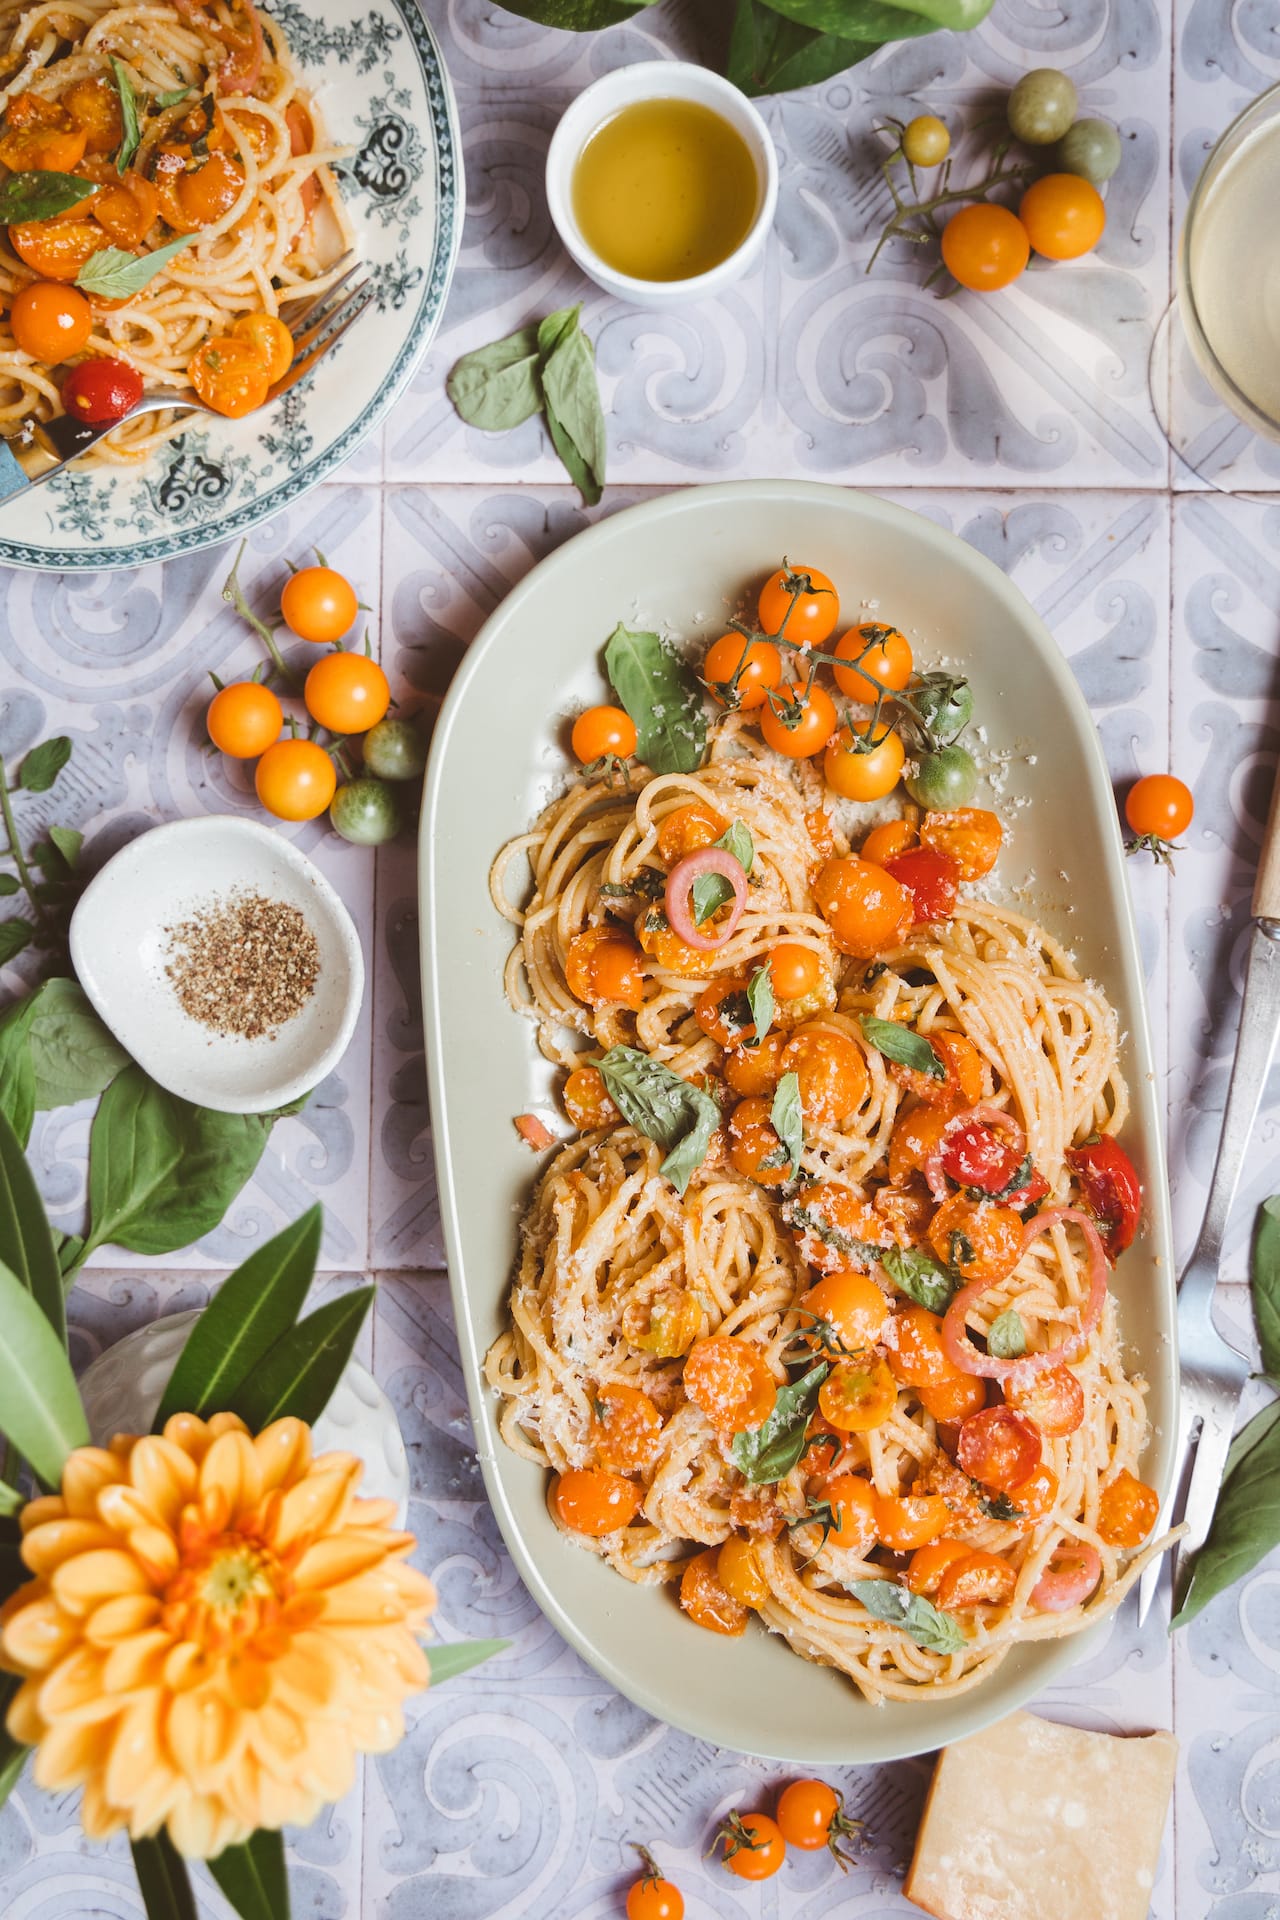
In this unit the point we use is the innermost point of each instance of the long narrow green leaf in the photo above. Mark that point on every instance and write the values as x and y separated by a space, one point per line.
303 1368
40 1410
253 1877
17 1069
26 1242
250 1312
459 1656
13 1757
163 1880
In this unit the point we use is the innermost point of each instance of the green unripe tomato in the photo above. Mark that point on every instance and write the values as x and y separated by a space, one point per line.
943 704
366 812
393 750
944 780
1091 149
926 142
1042 107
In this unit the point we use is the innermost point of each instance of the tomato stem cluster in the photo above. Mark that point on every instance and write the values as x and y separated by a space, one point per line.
899 227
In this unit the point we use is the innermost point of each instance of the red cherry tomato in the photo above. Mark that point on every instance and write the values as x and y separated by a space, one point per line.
1109 1189
1000 1447
101 391
930 878
975 1156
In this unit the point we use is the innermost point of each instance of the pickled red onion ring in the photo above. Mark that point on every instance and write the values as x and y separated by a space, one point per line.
679 885
1073 1572
955 1336
990 1116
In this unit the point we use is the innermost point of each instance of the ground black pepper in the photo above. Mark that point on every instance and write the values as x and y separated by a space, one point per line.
244 964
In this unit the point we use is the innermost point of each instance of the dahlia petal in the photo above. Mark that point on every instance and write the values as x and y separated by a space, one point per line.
162 1475
154 1801
101 1574
232 1465
74 1691
220 1423
377 1732
309 1676
117 1619
24 1719
381 1597
338 1557
87 1471
136 1662
277 1738
187 1666
248 1681
46 1547
373 1513
156 1552
201 1827
263 1799
329 1768
284 1453
38 1512
136 1752
123 1509
206 1733
188 1432
38 1635
71 1753
99 1818
317 1505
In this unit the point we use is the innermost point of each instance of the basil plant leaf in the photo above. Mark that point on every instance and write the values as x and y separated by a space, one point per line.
767 1453
918 1275
39 194
117 275
1246 1521
736 839
760 1000
496 387
131 135
924 1623
41 767
1265 1285
681 1118
690 1150
899 1043
787 1119
709 892
662 696
575 417
1007 1338
73 1056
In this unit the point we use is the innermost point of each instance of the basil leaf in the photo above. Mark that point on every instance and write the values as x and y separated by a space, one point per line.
17 1073
172 98
926 1624
918 1275
298 1376
760 1000
1007 1338
447 1661
767 1454
1246 1520
690 1151
117 275
41 767
808 1219
14 936
736 839
73 1055
26 1240
496 387
69 842
768 54
996 1506
39 194
787 1119
709 892
662 696
899 1043
575 418
128 114
1264 1282
40 1410
1250 1434
658 1103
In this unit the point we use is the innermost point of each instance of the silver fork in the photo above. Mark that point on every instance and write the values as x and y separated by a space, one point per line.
1213 1373
316 324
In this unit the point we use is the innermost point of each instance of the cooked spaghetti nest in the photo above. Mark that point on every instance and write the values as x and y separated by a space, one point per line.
278 241
606 1236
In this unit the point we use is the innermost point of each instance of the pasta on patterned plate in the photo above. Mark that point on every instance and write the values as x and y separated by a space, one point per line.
812 1317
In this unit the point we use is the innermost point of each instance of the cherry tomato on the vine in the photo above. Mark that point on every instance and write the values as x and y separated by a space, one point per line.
797 725
244 719
653 1897
295 780
603 731
856 772
801 603
865 907
347 692
50 321
707 1600
985 247
930 878
230 376
1127 1510
925 141
811 1815
1063 215
319 604
741 672
879 651
730 1380
754 1848
1159 806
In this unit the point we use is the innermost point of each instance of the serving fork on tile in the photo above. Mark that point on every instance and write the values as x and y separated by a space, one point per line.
1213 1374
42 448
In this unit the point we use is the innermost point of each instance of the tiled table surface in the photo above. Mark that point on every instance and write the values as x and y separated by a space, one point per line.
1024 424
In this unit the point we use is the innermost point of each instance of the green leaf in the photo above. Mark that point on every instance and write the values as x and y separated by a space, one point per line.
128 115
1249 1435
41 767
253 1876
40 1410
580 16
899 1043
68 842
162 1879
459 1656
736 839
662 1106
767 1453
1007 1338
1246 1521
760 1000
926 1624
11 1500
884 20
768 54
17 1072
1265 1285
13 1758
811 1219
496 387
918 1275
711 891
39 194
74 1055
26 1242
787 1118
14 936
161 1172
172 98
301 1371
661 694
571 395
117 275
251 1311
8 885
70 1253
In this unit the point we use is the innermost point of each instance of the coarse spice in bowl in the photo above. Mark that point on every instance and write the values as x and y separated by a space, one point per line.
244 964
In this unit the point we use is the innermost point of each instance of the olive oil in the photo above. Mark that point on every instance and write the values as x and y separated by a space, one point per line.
665 190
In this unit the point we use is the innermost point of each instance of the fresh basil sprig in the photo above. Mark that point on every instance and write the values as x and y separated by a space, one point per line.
658 1103
760 1000
787 1119
1265 1286
662 696
40 193
899 1043
118 275
918 1275
128 115
1007 1336
768 1452
926 1624
547 368
712 890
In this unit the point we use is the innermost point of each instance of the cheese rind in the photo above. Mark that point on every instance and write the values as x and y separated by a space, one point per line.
1035 1821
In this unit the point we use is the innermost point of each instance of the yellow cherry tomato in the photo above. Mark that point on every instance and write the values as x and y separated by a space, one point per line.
985 247
244 719
319 604
925 142
347 692
295 780
858 773
1063 215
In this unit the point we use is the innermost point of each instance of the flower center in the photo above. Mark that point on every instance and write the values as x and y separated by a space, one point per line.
225 1593
235 1575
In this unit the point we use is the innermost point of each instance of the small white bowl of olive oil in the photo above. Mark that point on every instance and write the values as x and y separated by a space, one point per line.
662 182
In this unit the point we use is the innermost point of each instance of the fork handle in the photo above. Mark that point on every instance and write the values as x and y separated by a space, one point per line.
1266 887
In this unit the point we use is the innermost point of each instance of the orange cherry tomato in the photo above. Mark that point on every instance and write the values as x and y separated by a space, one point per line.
756 1070
740 673
126 205
858 1395
801 603
94 105
244 719
798 725
1054 1399
827 1452
56 249
877 650
928 1564
968 835
795 970
600 733
295 780
602 966
191 200
1037 1497
347 692
811 1815
1159 805
625 1427
905 1521
40 136
229 376
851 1525
887 841
836 1230
950 1401
51 322
731 1382
964 1080
915 1351
1127 1510
1063 215
269 337
689 828
738 1565
755 1150
654 1898
980 1579
915 1138
979 1239
753 1847
858 774
844 1313
588 1500
985 247
672 954
831 1071
666 1325
723 1012
586 1100
1000 1447
705 1598
863 905
318 604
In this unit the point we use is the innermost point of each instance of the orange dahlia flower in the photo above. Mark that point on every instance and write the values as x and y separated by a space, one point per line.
217 1626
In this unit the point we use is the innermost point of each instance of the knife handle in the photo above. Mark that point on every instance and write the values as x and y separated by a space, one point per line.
1266 887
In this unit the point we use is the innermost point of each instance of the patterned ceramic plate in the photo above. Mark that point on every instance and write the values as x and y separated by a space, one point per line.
382 87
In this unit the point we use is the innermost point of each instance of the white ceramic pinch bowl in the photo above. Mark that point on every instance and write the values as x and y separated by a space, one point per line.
120 949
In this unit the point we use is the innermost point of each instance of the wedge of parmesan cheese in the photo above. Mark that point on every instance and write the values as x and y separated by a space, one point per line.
1034 1821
